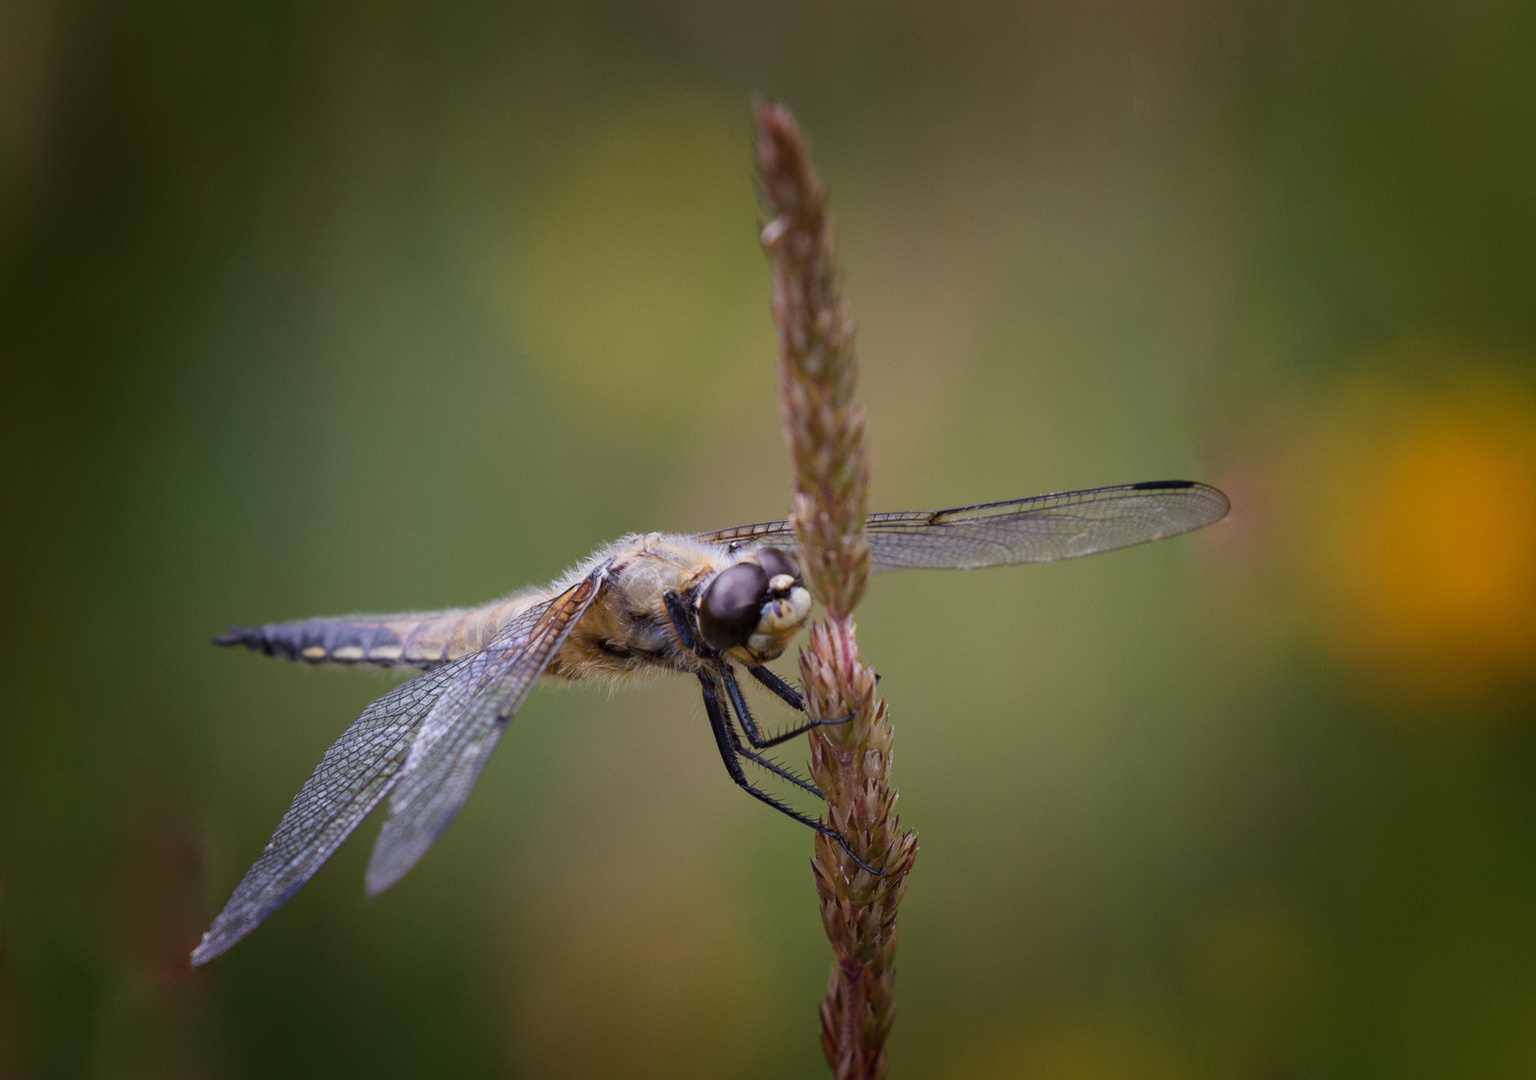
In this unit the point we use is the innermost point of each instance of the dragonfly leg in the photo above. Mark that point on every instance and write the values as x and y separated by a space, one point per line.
792 697
770 679
683 622
787 693
749 725
719 723
734 694
777 769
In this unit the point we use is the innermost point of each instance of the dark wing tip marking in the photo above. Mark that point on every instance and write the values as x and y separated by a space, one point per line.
1159 485
1214 495
1043 528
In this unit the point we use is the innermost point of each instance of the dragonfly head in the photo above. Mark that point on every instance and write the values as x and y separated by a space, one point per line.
755 607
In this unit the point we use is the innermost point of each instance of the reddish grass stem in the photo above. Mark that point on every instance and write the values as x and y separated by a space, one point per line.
824 427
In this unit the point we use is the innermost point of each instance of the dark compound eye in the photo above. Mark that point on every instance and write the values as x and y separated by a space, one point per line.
729 610
777 562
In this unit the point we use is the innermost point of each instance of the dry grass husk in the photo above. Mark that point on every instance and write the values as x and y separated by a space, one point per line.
851 762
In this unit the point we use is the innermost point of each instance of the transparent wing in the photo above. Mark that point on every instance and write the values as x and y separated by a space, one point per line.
1043 528
427 735
355 773
461 730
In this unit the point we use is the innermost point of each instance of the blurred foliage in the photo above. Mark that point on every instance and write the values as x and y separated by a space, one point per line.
310 308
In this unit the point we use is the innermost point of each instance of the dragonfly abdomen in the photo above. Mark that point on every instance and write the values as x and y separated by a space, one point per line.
420 641
328 641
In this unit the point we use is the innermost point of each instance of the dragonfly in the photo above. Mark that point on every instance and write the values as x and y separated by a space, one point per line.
697 605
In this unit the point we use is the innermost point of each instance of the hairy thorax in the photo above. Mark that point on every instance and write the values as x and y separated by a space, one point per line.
629 631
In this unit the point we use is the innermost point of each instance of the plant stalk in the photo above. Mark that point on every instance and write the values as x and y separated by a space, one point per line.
851 762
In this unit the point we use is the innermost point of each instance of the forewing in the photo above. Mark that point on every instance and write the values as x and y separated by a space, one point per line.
760 532
459 733
1043 528
353 775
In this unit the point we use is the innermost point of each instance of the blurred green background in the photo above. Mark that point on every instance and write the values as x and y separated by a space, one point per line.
316 308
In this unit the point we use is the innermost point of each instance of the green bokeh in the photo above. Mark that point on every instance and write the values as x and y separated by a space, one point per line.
307 309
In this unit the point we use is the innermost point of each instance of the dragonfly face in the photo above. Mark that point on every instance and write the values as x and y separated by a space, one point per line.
668 604
648 604
755 607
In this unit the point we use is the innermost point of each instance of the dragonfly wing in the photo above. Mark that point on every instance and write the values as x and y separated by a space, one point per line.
1043 528
458 735
355 773
766 532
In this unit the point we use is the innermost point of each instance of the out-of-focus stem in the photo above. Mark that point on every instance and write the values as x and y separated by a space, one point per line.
851 762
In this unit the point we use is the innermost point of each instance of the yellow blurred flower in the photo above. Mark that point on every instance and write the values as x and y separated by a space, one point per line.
1423 528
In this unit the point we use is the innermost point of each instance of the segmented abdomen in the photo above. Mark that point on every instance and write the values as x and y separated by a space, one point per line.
419 640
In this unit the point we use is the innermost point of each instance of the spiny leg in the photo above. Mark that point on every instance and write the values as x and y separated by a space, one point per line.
734 694
749 725
730 748
720 725
769 764
769 678
792 697
683 622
